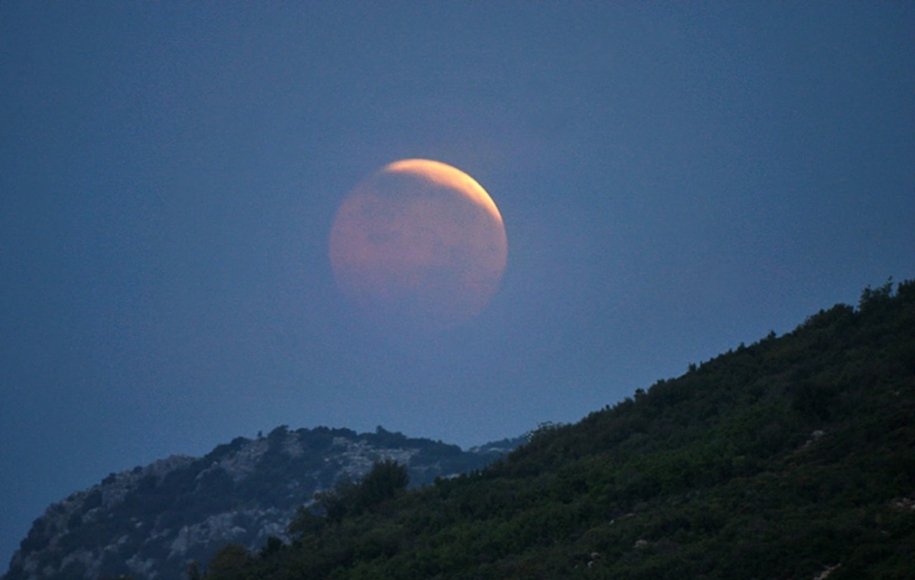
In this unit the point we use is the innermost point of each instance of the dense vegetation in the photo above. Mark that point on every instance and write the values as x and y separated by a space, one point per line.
784 459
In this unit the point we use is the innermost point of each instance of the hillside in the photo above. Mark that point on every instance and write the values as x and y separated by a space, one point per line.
150 522
793 457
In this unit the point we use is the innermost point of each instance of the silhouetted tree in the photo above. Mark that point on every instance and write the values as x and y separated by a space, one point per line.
385 480
228 563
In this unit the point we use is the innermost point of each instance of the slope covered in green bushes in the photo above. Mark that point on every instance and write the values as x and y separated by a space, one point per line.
784 459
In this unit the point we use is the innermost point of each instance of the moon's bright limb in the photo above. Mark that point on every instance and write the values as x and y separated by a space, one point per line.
419 242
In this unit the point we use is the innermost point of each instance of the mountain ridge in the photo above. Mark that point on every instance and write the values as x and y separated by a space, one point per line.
788 458
152 521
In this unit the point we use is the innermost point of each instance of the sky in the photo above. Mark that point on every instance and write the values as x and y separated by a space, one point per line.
674 179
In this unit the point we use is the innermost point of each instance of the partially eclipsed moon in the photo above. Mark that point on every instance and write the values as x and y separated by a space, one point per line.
420 243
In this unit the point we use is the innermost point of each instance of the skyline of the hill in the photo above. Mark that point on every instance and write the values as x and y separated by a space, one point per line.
790 457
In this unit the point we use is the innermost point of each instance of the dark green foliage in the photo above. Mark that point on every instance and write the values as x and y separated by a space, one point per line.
192 572
228 563
775 460
272 546
386 480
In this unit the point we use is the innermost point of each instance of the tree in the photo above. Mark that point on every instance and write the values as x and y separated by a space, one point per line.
304 522
385 480
876 296
192 571
228 563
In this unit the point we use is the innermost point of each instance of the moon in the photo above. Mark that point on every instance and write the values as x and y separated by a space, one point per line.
418 243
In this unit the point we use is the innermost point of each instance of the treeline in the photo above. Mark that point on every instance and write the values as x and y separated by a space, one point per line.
787 458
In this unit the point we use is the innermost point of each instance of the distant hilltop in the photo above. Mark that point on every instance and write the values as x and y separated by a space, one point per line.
154 521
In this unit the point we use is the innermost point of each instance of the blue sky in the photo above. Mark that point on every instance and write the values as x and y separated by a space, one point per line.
674 179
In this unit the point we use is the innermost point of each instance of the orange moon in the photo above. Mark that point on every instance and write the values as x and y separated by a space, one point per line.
419 243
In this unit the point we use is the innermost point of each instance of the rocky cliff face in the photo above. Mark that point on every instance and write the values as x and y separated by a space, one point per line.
152 522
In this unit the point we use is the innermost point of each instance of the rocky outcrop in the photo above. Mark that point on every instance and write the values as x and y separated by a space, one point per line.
151 522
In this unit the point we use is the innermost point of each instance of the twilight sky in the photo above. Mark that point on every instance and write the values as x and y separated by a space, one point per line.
674 179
